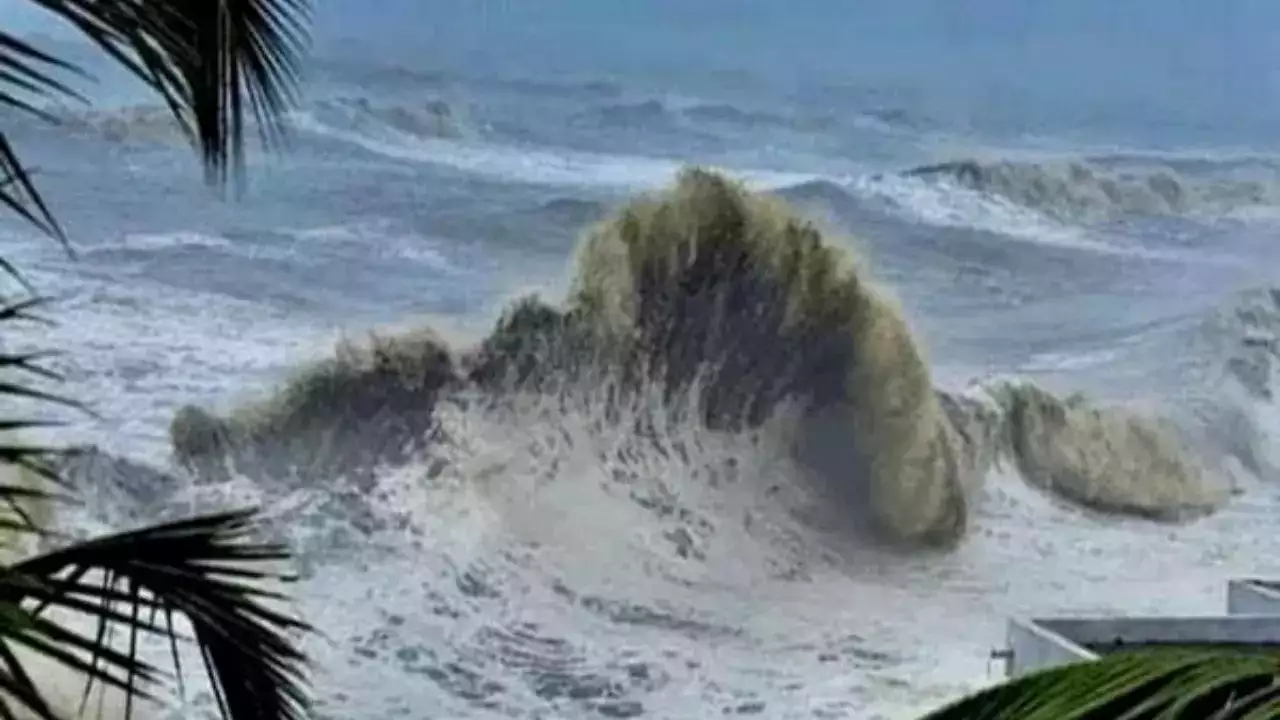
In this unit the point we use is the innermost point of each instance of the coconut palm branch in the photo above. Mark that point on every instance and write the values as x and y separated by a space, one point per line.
203 569
218 66
1138 685
34 460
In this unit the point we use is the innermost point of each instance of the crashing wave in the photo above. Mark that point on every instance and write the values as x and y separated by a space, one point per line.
370 402
714 284
1107 188
711 299
654 113
1104 458
1256 322
128 124
430 119
823 192
154 124
646 113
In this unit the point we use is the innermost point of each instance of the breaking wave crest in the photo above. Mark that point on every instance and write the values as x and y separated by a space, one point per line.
655 112
154 124
705 316
429 119
1102 188
128 124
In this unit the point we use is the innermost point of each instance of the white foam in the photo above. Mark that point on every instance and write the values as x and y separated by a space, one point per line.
374 237
132 349
379 237
1062 361
534 502
950 205
937 203
534 495
160 241
540 165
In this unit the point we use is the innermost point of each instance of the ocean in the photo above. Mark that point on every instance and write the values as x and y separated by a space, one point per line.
1079 195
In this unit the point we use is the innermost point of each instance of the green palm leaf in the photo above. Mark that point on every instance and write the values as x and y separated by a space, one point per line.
214 63
204 569
38 460
1139 685
205 60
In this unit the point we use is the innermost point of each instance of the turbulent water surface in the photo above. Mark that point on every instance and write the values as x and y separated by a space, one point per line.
1061 213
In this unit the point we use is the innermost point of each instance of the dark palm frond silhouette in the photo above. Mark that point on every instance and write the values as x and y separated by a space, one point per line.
220 67
1152 684
203 569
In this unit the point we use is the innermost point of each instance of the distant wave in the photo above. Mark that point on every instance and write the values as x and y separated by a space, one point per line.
896 117
572 212
831 192
910 197
400 77
1108 187
429 119
646 113
942 205
537 165
147 124
655 113
153 124
1044 201
707 309
926 194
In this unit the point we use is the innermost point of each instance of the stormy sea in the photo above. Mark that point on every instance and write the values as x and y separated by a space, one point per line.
692 359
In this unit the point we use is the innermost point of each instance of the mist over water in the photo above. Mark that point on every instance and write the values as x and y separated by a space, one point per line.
1069 208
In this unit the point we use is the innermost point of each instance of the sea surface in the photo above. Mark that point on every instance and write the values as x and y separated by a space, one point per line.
1083 194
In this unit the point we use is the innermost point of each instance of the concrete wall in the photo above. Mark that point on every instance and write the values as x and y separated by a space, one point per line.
1253 597
1034 647
1041 643
1253 617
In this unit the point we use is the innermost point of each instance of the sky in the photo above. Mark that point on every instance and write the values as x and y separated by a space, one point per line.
20 16
1129 35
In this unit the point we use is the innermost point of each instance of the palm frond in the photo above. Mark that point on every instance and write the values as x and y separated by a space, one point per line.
203 569
14 365
18 494
1137 685
206 60
27 76
19 194
212 62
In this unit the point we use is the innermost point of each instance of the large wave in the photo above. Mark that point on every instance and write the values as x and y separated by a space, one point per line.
1107 187
713 306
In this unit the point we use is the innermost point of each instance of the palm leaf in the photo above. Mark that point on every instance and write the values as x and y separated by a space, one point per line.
37 460
212 62
204 59
18 193
1139 685
203 569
